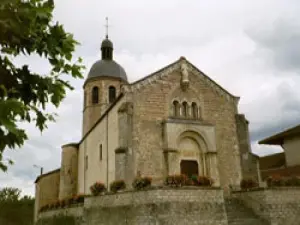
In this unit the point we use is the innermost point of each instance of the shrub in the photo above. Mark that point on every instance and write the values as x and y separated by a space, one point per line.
275 181
176 180
117 185
278 181
97 188
248 183
292 181
78 198
141 182
202 181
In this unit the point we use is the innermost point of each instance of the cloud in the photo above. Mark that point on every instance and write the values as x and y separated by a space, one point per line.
248 47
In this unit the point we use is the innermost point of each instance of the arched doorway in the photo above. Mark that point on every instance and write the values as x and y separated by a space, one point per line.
191 155
189 167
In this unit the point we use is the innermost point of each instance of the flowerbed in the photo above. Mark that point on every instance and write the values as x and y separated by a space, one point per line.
182 180
278 181
97 188
248 184
117 185
140 183
76 199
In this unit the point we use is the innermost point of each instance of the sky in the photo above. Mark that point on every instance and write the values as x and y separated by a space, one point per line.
251 48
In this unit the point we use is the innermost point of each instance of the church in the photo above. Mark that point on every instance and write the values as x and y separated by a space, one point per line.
176 120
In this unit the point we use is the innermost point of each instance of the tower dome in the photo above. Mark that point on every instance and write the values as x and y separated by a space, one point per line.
107 67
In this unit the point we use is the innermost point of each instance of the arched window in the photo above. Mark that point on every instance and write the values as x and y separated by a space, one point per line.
185 109
95 95
176 108
194 110
111 94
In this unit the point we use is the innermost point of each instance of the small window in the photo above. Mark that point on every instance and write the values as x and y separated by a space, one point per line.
185 109
111 94
195 110
176 108
95 95
100 152
86 162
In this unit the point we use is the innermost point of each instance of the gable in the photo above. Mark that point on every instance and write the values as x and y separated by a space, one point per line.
177 66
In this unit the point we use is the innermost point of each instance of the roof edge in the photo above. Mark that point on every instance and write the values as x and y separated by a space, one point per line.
46 174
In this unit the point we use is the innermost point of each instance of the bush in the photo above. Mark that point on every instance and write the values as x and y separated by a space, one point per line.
278 181
176 180
183 180
202 181
141 182
117 185
248 183
97 188
78 198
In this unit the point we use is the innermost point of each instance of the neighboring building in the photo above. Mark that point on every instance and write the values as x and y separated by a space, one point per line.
286 163
176 120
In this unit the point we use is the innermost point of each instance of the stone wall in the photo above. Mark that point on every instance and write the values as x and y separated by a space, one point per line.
164 206
67 216
46 190
279 206
159 207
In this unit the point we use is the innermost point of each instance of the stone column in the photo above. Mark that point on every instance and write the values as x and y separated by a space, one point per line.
212 168
124 157
172 161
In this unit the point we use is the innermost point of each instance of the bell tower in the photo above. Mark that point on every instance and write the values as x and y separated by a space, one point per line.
102 86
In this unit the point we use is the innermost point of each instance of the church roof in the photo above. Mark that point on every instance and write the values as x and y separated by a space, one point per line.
106 67
193 67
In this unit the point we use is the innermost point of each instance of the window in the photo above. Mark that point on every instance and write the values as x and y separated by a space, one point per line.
194 110
111 94
185 109
100 152
176 108
95 95
86 162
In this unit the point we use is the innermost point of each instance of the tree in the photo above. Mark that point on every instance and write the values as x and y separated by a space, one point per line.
12 204
26 28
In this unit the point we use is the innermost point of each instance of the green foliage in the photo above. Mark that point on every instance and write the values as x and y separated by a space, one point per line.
179 180
12 204
140 183
279 181
117 185
97 188
26 28
248 183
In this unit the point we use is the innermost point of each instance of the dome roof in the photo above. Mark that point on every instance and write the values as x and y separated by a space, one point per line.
107 68
106 43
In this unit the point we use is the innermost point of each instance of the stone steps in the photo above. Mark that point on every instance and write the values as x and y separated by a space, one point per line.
238 214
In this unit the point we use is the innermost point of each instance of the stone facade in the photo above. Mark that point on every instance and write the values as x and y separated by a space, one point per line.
167 123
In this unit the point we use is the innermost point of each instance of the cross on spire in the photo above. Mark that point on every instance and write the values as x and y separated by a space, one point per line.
106 26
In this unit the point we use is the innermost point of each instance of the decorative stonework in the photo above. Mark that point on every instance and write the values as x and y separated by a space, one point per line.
185 76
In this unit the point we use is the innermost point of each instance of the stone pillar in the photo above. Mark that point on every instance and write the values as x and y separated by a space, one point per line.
173 164
212 168
124 155
68 171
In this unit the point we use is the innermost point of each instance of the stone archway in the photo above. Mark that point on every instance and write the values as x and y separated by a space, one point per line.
191 154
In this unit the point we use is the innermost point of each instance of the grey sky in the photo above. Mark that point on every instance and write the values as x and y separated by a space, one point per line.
251 48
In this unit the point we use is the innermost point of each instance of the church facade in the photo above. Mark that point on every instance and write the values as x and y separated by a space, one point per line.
174 121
